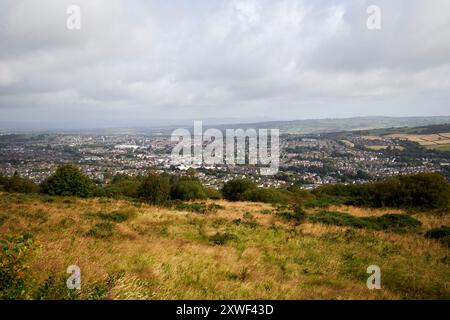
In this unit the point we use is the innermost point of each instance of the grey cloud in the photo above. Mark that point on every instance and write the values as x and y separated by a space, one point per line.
137 61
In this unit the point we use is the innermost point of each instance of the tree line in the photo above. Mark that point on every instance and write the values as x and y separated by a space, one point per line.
424 190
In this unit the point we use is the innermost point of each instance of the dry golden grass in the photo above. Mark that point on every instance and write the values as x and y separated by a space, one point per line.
167 254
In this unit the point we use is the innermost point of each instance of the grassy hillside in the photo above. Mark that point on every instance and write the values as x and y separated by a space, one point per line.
235 250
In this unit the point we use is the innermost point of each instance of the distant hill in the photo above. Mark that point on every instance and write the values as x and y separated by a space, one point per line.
421 130
315 126
287 127
346 124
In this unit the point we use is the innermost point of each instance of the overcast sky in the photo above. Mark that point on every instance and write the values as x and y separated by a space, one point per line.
144 62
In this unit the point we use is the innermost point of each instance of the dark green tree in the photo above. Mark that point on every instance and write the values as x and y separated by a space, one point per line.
187 189
234 189
18 184
155 188
68 180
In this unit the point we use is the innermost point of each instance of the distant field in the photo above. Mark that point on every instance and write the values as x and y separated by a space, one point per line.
381 147
441 147
438 141
242 251
424 139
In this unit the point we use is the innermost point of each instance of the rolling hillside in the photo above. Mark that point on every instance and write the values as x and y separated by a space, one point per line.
231 250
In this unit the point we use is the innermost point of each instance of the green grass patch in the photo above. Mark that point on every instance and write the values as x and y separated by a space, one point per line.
439 147
391 222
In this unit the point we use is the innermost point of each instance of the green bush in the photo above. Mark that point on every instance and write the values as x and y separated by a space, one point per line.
101 230
201 208
187 190
18 184
397 222
118 215
391 222
340 219
290 216
213 194
442 234
68 180
234 189
124 187
155 188
422 191
323 201
14 272
267 195
55 288
221 238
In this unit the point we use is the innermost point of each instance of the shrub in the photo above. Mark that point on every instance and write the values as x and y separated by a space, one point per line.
391 222
155 189
55 288
423 191
234 189
248 220
118 215
323 201
266 195
187 190
339 219
101 230
14 273
442 234
18 184
221 238
213 194
124 187
68 180
290 216
397 222
201 208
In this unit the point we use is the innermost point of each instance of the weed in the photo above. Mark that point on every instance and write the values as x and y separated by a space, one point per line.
101 230
201 208
3 218
221 238
118 215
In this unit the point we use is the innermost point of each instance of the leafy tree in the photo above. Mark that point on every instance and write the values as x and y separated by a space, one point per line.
423 190
125 186
234 189
187 189
267 195
68 180
214 194
155 188
18 184
2 181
